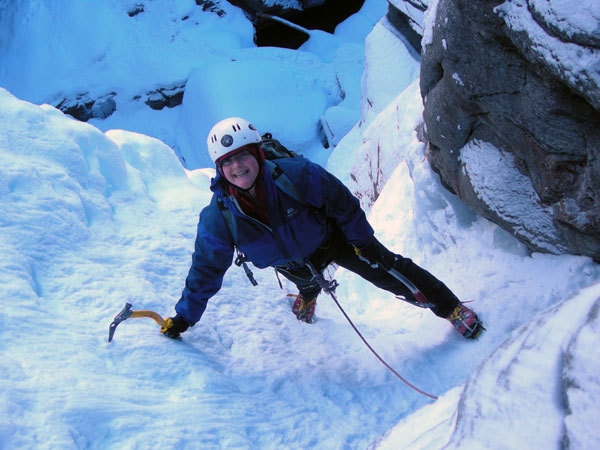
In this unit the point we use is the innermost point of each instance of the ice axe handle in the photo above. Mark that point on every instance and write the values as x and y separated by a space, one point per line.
151 314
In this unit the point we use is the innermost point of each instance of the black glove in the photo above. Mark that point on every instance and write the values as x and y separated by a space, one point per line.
375 254
174 326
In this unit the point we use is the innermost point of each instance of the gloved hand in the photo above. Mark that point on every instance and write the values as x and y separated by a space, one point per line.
376 255
174 326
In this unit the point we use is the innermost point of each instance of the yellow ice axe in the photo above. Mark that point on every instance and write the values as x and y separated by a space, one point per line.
127 313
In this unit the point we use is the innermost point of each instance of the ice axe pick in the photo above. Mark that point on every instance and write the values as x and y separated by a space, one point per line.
127 313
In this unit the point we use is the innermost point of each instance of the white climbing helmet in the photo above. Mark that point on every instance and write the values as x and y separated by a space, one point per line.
229 135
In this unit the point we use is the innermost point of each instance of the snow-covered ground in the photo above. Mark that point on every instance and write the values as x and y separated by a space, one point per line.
94 216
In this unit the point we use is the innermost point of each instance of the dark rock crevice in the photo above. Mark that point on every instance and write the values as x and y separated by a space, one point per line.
325 16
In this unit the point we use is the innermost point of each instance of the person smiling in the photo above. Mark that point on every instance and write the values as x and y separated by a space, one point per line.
241 169
293 215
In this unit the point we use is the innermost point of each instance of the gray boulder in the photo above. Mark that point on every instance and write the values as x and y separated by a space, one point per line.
511 96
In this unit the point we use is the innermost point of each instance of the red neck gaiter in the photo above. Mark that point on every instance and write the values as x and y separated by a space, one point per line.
253 206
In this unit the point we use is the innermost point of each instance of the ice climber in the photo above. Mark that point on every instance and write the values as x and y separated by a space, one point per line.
293 215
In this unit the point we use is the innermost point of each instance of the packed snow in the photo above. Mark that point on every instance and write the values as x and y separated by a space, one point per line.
98 214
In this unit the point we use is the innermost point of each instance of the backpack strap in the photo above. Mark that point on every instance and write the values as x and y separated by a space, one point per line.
240 257
283 181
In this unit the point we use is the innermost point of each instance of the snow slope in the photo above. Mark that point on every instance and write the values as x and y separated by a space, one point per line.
93 218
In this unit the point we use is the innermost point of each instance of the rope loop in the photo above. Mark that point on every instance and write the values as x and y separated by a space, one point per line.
329 287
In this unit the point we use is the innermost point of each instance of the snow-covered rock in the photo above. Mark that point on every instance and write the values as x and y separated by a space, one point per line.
522 77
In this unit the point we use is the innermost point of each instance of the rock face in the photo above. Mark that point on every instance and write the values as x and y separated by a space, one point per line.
514 87
83 107
168 97
283 8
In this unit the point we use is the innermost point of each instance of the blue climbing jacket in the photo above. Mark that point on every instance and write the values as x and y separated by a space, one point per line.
296 228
